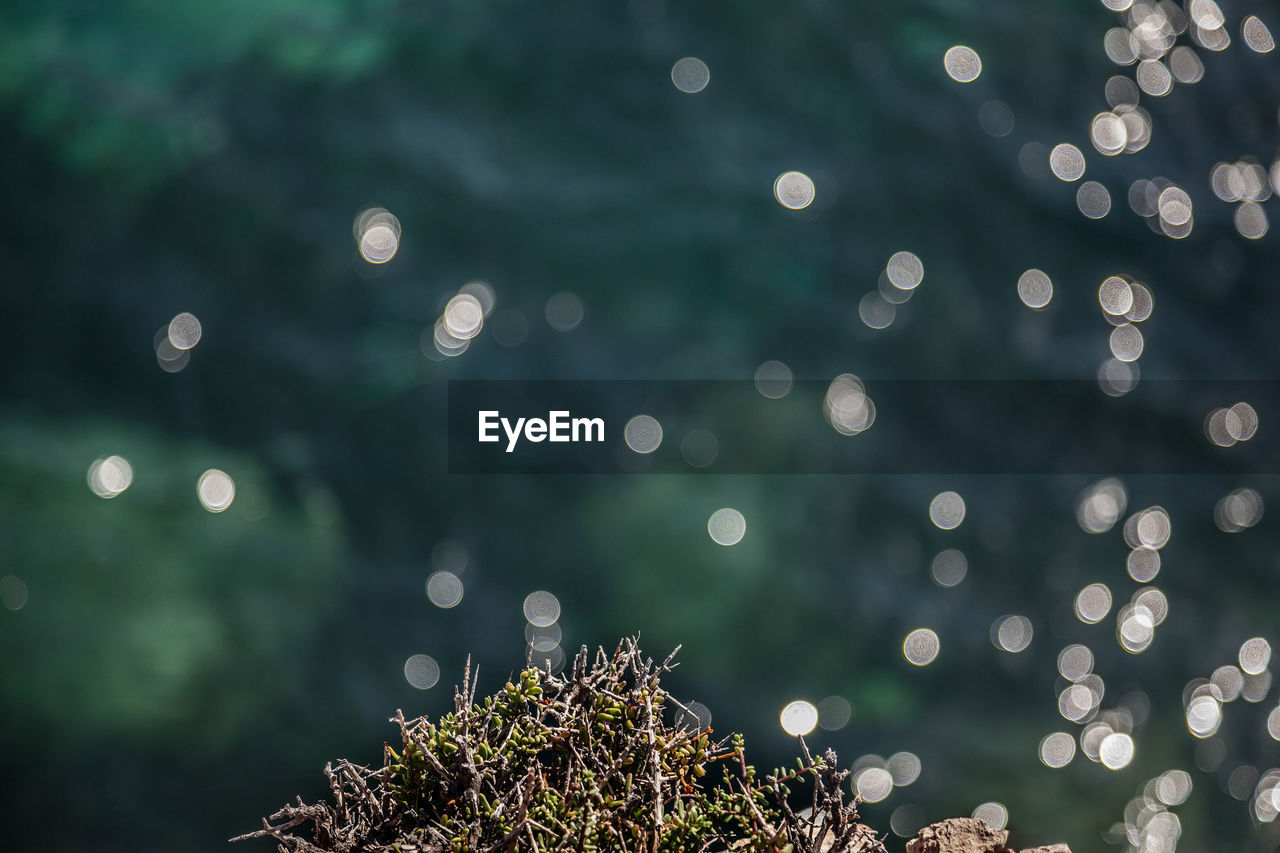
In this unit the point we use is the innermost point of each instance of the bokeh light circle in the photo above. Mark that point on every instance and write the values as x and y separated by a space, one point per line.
1057 750
794 190
421 671
690 75
726 526
798 718
541 608
947 510
921 646
962 63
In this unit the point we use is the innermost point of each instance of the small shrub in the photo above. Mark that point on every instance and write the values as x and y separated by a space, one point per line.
585 761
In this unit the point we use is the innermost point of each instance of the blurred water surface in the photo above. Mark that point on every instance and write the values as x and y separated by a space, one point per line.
235 256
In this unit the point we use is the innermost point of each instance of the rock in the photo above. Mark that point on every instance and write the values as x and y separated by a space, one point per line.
969 835
958 835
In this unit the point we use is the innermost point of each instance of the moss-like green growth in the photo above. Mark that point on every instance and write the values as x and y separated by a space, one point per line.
587 761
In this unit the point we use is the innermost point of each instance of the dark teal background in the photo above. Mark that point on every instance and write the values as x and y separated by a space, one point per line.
175 674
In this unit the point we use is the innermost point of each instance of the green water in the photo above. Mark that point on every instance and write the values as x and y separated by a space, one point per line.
169 674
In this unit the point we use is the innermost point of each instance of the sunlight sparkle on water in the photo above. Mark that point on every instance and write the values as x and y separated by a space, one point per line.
876 312
421 671
109 476
1229 680
873 784
690 75
1116 751
1121 91
1093 603
834 713
1135 627
1251 220
949 567
726 526
994 815
1057 749
1226 426
921 647
1066 161
1273 723
1120 46
1154 78
1093 200
847 406
1126 342
798 718
541 608
1254 656
1078 701
377 234
1012 633
1115 296
1143 563
773 380
543 638
905 270
1256 35
643 434
947 510
904 767
962 63
1238 511
1035 289
1149 528
794 190
1173 787
1204 716
1185 66
184 331
1075 662
463 316
444 589
1100 506
1108 133
216 490
1143 303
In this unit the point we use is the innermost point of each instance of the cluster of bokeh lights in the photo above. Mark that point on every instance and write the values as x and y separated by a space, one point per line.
1231 425
449 560
173 343
1148 42
902 274
109 476
461 320
847 406
377 234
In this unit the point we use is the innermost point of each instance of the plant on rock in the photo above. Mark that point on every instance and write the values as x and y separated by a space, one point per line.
587 761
